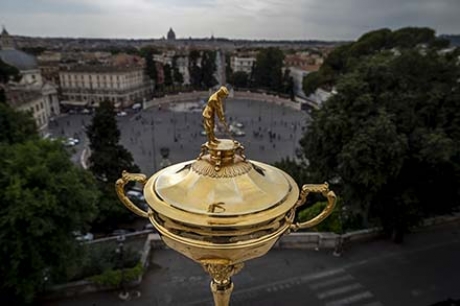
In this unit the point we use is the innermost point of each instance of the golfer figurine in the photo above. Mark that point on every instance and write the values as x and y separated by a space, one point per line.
215 107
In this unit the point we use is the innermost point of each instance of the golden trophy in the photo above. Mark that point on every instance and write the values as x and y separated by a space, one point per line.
222 209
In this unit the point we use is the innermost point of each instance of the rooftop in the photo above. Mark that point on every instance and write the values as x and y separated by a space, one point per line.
102 69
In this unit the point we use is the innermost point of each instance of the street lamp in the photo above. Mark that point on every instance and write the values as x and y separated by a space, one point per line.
338 251
152 124
124 295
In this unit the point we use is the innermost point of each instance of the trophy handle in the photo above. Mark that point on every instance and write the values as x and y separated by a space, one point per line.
331 201
120 189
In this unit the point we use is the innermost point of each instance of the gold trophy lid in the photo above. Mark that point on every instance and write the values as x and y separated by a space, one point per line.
222 183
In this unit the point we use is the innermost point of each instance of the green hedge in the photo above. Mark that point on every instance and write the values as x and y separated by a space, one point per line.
112 277
100 257
339 221
330 224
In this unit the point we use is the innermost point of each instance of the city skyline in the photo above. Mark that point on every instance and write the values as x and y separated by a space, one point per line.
233 19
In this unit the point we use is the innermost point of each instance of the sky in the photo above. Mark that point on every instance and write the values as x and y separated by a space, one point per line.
238 19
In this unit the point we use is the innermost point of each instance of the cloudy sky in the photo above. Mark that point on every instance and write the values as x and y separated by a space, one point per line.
250 19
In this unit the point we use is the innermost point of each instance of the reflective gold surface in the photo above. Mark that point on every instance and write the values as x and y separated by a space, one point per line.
222 209
213 108
120 185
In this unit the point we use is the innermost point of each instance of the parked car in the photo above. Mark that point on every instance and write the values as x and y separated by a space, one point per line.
70 142
135 195
136 106
75 140
83 237
236 131
122 114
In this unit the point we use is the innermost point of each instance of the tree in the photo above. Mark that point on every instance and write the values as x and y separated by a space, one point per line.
346 57
202 67
168 75
228 69
387 137
15 126
288 84
44 199
196 76
296 169
267 69
150 67
177 76
240 79
107 161
208 68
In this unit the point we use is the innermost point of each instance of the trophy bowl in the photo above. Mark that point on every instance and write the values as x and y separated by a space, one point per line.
222 209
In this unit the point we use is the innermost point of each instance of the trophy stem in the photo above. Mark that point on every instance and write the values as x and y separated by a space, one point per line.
221 284
221 293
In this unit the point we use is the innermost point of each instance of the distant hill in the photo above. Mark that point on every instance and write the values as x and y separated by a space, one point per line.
454 39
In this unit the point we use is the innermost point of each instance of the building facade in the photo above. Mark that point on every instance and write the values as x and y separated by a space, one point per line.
171 58
90 85
242 63
32 101
31 93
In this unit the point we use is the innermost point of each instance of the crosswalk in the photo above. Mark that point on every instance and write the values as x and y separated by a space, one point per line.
342 289
330 288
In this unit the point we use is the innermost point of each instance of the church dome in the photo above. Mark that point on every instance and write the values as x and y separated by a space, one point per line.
171 34
20 60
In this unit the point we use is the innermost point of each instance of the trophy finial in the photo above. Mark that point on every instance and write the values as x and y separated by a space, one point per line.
213 108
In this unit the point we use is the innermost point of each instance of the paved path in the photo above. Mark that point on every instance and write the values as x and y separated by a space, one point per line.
179 129
422 271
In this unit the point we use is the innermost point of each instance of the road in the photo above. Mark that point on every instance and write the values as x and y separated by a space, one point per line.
422 271
71 126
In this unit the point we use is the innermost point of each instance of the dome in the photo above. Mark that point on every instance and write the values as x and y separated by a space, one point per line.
171 35
19 59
